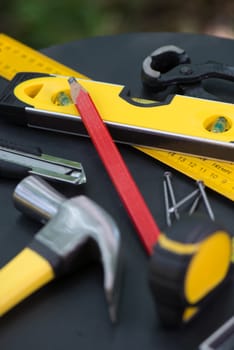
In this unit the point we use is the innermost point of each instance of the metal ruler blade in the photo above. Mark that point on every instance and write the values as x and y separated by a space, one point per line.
16 57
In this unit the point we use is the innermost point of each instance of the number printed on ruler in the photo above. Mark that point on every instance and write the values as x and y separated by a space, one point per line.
215 174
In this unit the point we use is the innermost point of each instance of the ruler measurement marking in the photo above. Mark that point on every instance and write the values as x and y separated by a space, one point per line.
29 60
207 170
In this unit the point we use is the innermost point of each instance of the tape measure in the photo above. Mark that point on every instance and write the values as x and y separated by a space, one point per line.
188 267
16 57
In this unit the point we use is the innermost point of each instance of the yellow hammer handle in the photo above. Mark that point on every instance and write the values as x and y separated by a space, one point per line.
23 275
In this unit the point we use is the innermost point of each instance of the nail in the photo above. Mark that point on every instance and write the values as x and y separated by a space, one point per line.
205 199
168 218
195 204
184 200
167 176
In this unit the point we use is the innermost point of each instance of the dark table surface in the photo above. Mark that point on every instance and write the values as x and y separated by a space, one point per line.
71 313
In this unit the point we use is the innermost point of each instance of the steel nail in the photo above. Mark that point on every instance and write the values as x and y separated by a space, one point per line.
167 176
184 200
195 204
166 199
205 199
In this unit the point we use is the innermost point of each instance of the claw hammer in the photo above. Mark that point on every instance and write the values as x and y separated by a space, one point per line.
76 230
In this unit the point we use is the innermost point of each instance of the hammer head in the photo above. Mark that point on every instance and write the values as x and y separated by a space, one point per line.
78 232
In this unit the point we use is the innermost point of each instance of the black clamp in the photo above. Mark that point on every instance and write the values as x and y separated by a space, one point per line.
170 67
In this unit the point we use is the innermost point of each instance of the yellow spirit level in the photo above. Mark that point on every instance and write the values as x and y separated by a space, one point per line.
182 124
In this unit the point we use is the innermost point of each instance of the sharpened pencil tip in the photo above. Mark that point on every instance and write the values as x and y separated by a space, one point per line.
75 88
71 80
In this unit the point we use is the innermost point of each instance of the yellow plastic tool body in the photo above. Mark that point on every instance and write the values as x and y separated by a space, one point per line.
207 269
182 115
23 275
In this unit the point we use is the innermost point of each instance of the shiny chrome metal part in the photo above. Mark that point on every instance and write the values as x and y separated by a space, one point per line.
47 166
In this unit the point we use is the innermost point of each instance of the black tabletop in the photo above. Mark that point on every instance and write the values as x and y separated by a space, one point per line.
71 313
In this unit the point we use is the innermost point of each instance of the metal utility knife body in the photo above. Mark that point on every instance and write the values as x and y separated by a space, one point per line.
18 161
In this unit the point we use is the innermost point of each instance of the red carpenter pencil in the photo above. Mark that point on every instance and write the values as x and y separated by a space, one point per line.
127 189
